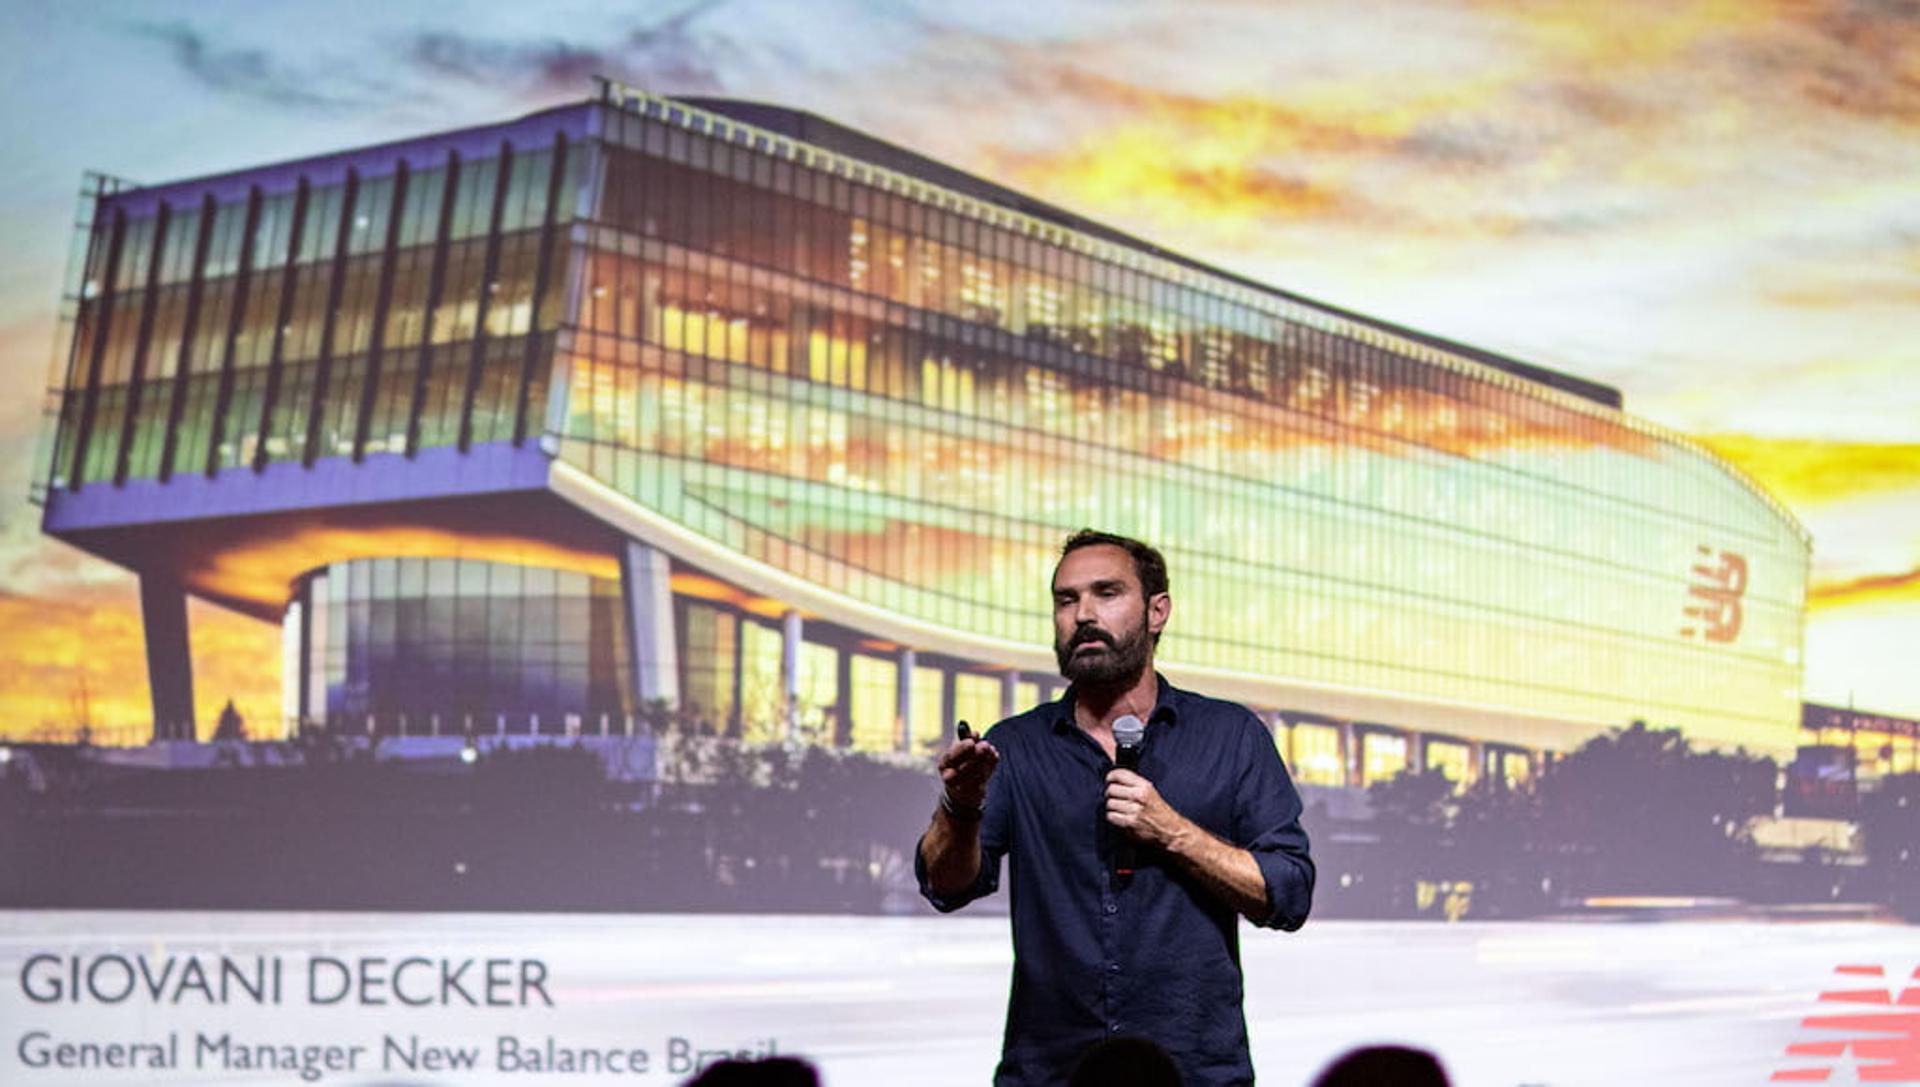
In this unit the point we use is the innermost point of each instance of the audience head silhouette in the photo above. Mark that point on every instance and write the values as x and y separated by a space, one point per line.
1384 1066
1125 1062
772 1072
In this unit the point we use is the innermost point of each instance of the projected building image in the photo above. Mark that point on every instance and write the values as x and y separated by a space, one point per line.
643 402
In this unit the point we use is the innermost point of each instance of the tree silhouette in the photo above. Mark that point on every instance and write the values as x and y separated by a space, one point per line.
1890 822
231 725
1637 810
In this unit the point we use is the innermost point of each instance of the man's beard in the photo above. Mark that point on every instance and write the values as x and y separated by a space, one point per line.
1124 660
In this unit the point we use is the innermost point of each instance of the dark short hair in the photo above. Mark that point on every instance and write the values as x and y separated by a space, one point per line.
1148 564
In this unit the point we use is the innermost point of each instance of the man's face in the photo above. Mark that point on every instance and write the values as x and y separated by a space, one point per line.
1103 625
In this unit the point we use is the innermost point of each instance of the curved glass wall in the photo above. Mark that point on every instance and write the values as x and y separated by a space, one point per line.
449 646
911 397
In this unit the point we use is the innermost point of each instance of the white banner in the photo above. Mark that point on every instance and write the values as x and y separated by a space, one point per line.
286 998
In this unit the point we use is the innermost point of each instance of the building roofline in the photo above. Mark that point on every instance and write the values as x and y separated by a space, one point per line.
128 191
830 135
1571 391
810 128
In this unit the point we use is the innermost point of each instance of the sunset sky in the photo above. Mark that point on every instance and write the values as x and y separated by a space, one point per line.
1711 205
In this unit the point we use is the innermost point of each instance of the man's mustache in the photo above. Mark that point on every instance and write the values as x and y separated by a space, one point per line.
1091 634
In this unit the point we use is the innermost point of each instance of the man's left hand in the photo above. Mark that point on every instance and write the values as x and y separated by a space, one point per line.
1134 805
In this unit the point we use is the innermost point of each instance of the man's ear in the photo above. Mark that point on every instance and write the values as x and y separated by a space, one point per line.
1158 609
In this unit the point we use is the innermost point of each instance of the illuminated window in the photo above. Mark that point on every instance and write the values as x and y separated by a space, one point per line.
930 727
1316 755
1382 756
1452 759
763 702
1516 768
976 700
875 700
710 638
819 692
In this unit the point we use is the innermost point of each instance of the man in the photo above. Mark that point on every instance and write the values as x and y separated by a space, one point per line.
1211 815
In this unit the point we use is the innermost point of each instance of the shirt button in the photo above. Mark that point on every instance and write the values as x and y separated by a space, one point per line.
1113 968
1113 907
1113 1028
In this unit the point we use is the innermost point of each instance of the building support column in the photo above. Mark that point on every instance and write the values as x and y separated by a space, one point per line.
1477 758
949 701
791 631
1416 751
163 618
903 699
653 651
843 698
1349 755
1009 694
296 634
737 717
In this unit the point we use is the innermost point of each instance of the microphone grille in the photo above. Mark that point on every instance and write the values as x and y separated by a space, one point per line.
1129 730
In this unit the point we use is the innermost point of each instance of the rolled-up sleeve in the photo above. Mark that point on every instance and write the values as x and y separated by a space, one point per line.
994 824
1267 824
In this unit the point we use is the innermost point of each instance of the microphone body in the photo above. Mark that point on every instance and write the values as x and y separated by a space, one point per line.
1128 733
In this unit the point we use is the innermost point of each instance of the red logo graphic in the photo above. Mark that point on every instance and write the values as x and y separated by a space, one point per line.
1715 606
1885 1045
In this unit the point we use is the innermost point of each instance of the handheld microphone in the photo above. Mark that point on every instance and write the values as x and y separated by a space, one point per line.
1128 732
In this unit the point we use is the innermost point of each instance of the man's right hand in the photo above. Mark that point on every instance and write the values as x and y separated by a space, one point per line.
964 770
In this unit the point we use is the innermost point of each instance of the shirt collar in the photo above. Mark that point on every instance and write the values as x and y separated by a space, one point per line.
1166 707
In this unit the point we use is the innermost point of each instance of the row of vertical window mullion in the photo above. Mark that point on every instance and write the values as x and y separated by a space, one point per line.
143 335
336 286
103 310
1323 410
189 335
72 377
283 314
490 271
840 344
236 320
382 309
436 284
543 285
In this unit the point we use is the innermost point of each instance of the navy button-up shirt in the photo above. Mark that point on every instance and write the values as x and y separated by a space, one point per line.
1155 954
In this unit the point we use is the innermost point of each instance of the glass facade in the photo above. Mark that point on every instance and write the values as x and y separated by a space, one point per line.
906 395
911 397
418 646
335 309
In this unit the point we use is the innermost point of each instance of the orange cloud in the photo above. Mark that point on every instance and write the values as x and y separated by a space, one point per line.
1569 116
1903 588
1630 33
1803 471
1832 55
1178 159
